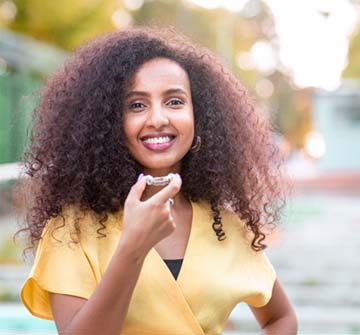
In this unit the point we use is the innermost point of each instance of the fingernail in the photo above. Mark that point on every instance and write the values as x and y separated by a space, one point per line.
140 176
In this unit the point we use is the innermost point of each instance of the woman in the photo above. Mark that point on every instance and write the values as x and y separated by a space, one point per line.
126 106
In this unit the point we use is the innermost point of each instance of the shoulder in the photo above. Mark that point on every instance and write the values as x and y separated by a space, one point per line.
236 231
74 224
233 224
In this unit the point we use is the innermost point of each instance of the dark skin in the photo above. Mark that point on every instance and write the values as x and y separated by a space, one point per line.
158 104
277 316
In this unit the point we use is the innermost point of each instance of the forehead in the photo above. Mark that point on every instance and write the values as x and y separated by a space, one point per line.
160 72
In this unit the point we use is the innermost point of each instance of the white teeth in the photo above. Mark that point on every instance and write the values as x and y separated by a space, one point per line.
158 140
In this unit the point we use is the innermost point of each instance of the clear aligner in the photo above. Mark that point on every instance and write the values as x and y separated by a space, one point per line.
159 181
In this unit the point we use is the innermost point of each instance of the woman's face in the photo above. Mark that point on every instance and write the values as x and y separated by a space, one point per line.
158 116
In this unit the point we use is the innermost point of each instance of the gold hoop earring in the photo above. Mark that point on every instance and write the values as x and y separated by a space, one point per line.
197 145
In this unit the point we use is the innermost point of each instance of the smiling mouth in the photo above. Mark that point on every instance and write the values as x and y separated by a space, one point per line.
160 143
158 140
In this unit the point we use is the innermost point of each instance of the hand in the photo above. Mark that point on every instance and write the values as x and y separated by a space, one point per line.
145 223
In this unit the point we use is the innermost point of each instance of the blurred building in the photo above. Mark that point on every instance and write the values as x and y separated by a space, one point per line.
24 63
336 120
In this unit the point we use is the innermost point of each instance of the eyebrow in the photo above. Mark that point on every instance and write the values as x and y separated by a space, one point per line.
145 94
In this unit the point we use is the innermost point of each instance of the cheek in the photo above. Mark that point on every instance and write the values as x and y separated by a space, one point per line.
187 129
129 127
187 122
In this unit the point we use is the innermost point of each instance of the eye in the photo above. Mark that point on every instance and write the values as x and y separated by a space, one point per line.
175 102
136 106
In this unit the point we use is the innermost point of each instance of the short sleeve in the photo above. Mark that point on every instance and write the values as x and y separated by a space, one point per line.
60 266
261 280
255 275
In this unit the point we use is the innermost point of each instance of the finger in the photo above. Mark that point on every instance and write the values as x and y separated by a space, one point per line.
169 191
172 222
138 189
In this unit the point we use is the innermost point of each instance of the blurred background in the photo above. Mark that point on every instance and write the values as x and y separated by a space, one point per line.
301 63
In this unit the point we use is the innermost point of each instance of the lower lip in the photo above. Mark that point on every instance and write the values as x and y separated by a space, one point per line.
159 146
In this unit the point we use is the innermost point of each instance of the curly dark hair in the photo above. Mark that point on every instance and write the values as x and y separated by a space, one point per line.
77 152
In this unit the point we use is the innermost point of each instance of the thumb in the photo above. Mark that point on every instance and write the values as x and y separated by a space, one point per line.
138 188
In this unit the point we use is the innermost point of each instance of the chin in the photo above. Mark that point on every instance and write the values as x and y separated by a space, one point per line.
161 167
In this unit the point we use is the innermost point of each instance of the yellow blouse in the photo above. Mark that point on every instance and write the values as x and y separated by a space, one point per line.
214 277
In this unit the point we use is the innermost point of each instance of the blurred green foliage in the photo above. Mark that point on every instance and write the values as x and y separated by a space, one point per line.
67 23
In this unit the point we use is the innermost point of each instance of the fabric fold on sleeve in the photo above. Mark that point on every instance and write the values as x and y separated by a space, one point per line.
256 275
261 282
60 266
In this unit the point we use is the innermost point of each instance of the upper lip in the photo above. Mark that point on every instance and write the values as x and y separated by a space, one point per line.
153 135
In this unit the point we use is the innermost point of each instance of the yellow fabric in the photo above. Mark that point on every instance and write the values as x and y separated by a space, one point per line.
214 277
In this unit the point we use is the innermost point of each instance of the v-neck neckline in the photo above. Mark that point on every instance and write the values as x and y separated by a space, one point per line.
186 253
176 286
156 277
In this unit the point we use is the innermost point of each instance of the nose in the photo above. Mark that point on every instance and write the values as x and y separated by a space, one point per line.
158 117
